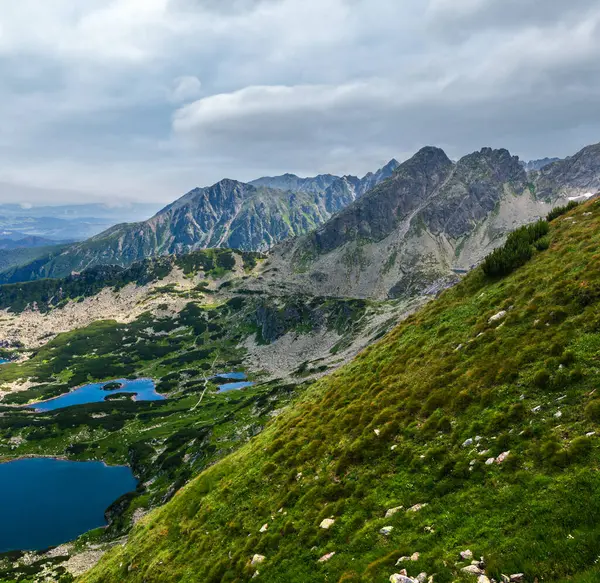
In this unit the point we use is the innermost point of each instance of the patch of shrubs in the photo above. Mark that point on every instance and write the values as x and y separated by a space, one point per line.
561 210
517 250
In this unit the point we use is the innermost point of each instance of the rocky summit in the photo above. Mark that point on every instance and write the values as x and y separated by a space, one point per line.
431 222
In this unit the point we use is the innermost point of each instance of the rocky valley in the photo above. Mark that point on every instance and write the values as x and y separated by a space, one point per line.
365 402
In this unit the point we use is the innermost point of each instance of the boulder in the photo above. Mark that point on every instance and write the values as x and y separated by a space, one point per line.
397 578
264 527
392 511
496 317
483 579
257 560
415 556
327 523
326 557
468 442
490 461
421 577
517 578
472 570
386 530
417 507
502 457
466 555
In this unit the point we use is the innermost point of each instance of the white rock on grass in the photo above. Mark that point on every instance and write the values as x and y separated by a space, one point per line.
398 578
386 530
417 507
326 557
502 457
490 461
327 523
496 317
257 560
483 579
264 527
466 555
472 570
392 511
415 556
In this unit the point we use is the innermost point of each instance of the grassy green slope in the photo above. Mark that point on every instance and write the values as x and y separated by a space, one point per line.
390 429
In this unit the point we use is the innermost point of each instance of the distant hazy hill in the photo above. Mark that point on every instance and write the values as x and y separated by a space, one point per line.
228 214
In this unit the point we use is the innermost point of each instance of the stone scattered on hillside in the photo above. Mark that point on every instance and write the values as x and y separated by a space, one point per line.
398 578
377 432
392 511
517 578
257 560
326 557
502 457
490 461
472 570
327 523
386 530
466 555
496 317
417 507
264 528
483 579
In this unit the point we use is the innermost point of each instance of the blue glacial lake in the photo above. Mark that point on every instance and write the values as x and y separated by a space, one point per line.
239 377
4 361
46 502
143 389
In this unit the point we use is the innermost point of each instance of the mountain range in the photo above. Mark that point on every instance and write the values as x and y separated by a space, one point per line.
432 220
231 214
407 229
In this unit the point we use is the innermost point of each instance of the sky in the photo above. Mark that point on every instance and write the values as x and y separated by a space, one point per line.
142 100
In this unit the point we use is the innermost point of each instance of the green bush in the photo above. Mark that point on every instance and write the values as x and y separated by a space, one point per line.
516 251
561 210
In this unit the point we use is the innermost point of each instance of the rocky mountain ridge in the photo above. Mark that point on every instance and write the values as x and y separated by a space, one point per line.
229 214
431 221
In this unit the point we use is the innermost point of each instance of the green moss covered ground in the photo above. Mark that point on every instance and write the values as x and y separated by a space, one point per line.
492 366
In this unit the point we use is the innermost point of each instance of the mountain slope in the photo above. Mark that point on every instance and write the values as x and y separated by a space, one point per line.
229 214
431 219
473 420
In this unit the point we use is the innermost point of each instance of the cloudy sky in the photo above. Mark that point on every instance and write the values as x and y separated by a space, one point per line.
144 99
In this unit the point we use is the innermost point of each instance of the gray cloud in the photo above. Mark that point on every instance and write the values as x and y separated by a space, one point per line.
99 97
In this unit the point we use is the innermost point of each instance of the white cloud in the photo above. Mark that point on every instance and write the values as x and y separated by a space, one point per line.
185 89
104 96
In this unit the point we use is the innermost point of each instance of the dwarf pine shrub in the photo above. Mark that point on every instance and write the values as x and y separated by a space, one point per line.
516 251
561 210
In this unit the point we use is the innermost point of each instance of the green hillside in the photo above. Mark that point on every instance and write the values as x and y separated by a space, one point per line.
492 366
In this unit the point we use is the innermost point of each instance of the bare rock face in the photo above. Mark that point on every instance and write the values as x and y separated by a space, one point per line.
573 176
431 221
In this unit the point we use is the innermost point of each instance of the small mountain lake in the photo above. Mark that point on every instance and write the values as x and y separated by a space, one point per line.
4 361
238 377
46 502
142 389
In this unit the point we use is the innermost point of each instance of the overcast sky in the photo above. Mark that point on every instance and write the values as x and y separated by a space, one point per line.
145 99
